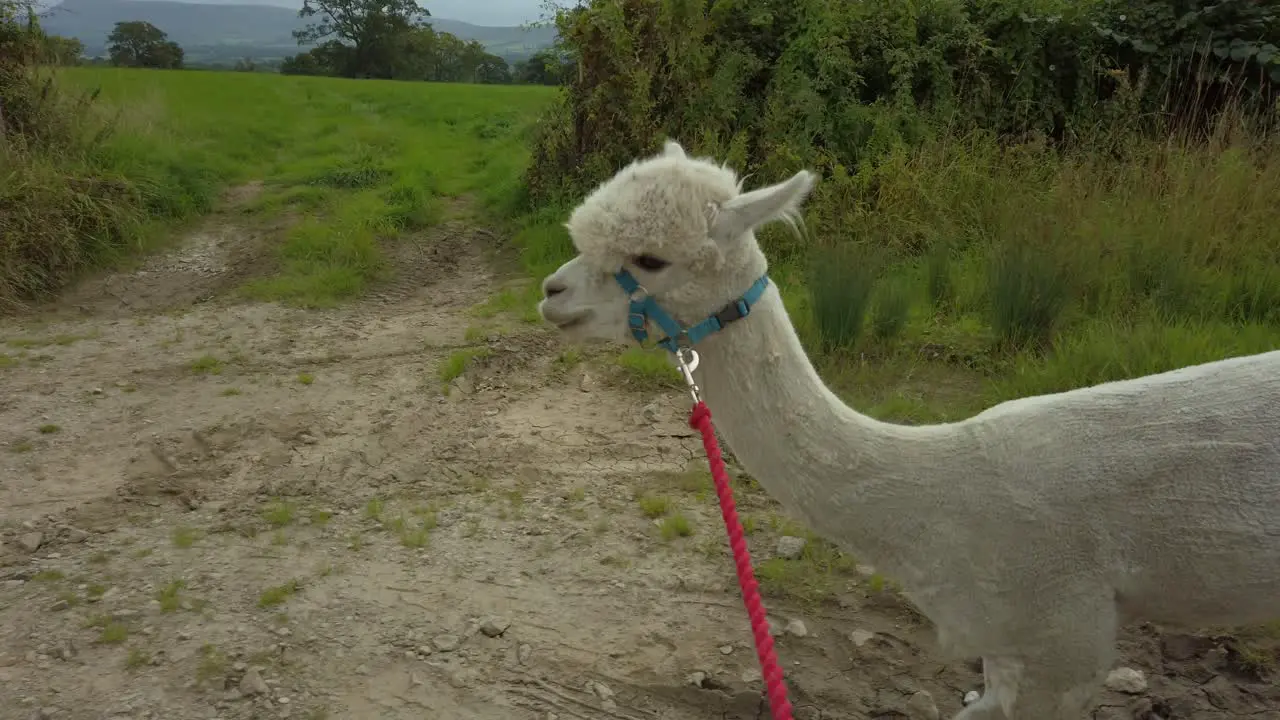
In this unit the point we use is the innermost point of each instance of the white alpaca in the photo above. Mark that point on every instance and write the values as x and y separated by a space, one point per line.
1027 533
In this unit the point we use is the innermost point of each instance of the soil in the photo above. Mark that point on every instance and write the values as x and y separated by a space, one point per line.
215 508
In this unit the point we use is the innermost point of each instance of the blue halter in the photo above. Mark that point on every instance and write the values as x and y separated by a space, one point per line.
643 307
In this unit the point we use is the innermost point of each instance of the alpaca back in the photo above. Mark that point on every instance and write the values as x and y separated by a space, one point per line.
1166 488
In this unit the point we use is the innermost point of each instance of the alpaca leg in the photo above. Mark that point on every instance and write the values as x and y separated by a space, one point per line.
1061 679
999 688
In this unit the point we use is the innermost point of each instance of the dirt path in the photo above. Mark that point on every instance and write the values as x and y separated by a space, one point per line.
217 509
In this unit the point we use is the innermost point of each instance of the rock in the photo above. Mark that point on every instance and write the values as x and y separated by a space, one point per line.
726 649
971 697
796 627
861 637
586 383
75 534
31 541
524 653
651 413
602 691
415 679
697 679
494 627
425 650
464 678
1127 680
252 683
920 706
789 547
60 605
446 642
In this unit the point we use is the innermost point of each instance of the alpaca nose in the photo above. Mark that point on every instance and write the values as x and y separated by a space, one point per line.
553 287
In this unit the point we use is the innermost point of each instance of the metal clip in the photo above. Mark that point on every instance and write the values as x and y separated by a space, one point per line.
687 359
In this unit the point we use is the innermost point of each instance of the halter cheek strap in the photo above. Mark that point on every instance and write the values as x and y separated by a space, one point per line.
644 307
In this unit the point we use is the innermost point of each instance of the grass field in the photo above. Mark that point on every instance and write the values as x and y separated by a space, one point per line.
356 163
977 275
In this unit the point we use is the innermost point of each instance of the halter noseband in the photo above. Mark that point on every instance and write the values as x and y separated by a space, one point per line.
644 307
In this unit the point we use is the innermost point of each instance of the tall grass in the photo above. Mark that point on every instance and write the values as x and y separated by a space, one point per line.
1044 269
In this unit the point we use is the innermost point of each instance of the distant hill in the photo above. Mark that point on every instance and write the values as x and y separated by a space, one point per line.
214 32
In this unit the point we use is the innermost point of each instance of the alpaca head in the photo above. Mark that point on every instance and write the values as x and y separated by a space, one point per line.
684 230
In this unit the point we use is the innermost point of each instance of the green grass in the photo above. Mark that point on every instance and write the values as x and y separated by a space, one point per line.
207 365
654 506
675 525
170 596
278 594
457 363
185 537
647 370
280 514
350 165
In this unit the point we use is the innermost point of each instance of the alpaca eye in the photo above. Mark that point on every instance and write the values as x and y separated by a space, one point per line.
649 262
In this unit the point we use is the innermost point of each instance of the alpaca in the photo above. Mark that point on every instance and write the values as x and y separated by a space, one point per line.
1027 533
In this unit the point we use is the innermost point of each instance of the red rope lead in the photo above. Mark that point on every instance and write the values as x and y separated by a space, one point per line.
701 420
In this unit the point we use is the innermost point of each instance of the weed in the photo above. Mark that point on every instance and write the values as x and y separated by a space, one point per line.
184 537
280 513
48 576
113 633
412 537
230 392
206 365
674 526
1028 294
306 378
654 506
373 509
21 446
170 596
815 577
891 310
278 594
941 285
212 664
320 518
457 363
841 282
49 429
136 659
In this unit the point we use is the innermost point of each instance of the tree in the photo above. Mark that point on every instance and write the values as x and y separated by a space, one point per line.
373 29
141 44
545 67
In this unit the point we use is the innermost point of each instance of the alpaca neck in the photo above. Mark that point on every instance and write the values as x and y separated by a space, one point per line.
874 488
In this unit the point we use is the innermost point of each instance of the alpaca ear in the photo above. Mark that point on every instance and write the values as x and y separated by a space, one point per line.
751 210
671 148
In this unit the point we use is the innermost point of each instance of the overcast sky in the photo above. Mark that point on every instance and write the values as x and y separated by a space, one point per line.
477 12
